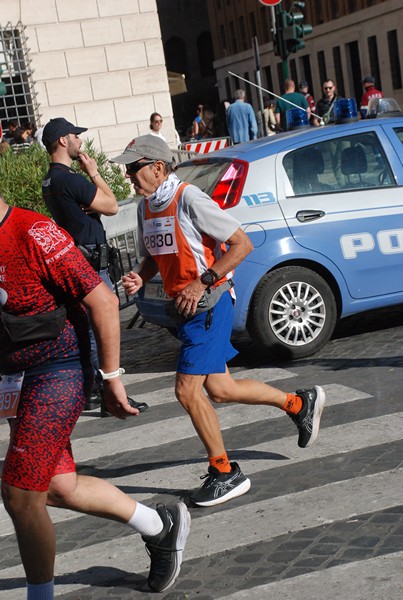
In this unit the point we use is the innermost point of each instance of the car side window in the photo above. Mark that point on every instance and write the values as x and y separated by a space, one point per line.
399 133
344 163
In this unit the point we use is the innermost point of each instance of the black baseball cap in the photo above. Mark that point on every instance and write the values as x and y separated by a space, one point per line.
369 79
57 128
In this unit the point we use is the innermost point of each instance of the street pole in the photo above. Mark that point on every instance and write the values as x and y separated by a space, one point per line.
259 83
286 71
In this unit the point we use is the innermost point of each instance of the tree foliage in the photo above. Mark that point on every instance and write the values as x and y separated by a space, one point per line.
21 175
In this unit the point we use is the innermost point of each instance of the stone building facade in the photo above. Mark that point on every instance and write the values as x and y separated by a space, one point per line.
350 39
98 63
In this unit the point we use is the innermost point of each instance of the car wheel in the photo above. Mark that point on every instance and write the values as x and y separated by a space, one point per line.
293 313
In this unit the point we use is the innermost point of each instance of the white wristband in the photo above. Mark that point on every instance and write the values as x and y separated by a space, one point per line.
112 375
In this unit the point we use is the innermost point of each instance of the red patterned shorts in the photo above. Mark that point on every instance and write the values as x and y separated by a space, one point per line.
40 446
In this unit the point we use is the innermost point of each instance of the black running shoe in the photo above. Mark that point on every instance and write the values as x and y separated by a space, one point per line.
94 401
308 419
166 548
220 487
141 406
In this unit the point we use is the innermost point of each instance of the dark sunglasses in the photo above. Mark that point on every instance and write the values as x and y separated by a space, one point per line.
328 87
157 121
133 168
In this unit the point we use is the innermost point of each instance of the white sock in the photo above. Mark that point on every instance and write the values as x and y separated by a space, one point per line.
146 520
40 591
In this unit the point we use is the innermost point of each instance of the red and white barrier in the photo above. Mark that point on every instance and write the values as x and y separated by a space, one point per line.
206 146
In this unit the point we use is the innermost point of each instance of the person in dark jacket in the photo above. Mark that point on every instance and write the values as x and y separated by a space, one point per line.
325 106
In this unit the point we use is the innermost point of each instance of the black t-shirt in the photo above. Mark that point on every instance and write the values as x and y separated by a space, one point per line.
64 192
325 106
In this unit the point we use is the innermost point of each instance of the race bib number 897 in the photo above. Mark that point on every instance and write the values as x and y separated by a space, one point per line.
10 391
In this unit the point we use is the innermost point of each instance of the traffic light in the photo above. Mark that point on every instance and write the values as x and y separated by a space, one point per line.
290 31
294 30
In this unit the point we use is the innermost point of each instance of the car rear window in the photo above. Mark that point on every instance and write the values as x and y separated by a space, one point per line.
206 175
399 133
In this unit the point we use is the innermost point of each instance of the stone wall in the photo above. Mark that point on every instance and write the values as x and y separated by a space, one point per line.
98 63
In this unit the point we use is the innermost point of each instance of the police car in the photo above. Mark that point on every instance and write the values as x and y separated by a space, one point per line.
323 207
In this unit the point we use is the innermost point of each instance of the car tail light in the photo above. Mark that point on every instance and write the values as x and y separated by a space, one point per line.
228 191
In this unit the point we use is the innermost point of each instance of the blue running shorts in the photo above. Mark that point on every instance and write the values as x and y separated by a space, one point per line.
206 346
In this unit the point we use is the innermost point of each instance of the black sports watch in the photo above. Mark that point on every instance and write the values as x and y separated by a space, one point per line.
209 277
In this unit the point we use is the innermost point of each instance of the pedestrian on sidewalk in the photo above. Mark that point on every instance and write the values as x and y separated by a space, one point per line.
283 104
194 131
325 106
241 119
182 233
45 289
303 89
77 204
156 125
370 92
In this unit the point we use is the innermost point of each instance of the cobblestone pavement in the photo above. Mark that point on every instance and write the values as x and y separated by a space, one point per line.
315 522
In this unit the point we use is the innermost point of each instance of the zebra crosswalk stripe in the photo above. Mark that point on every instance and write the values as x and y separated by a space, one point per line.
239 524
374 579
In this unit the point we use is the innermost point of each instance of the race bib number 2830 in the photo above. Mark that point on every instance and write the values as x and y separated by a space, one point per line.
159 236
10 391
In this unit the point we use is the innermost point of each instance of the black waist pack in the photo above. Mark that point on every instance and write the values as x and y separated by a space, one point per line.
209 299
98 257
34 328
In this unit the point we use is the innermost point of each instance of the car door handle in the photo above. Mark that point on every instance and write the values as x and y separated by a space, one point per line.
309 215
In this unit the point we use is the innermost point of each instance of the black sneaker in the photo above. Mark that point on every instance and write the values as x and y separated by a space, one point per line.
220 487
166 548
141 406
308 419
94 401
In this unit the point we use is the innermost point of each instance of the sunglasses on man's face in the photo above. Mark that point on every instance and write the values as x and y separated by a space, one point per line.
133 168
329 87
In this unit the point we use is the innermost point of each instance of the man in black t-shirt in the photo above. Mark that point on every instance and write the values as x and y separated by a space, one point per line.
74 202
76 205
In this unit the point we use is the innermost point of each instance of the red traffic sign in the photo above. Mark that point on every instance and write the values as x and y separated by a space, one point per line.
270 2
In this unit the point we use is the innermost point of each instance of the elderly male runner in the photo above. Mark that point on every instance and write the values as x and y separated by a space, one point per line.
45 363
195 266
